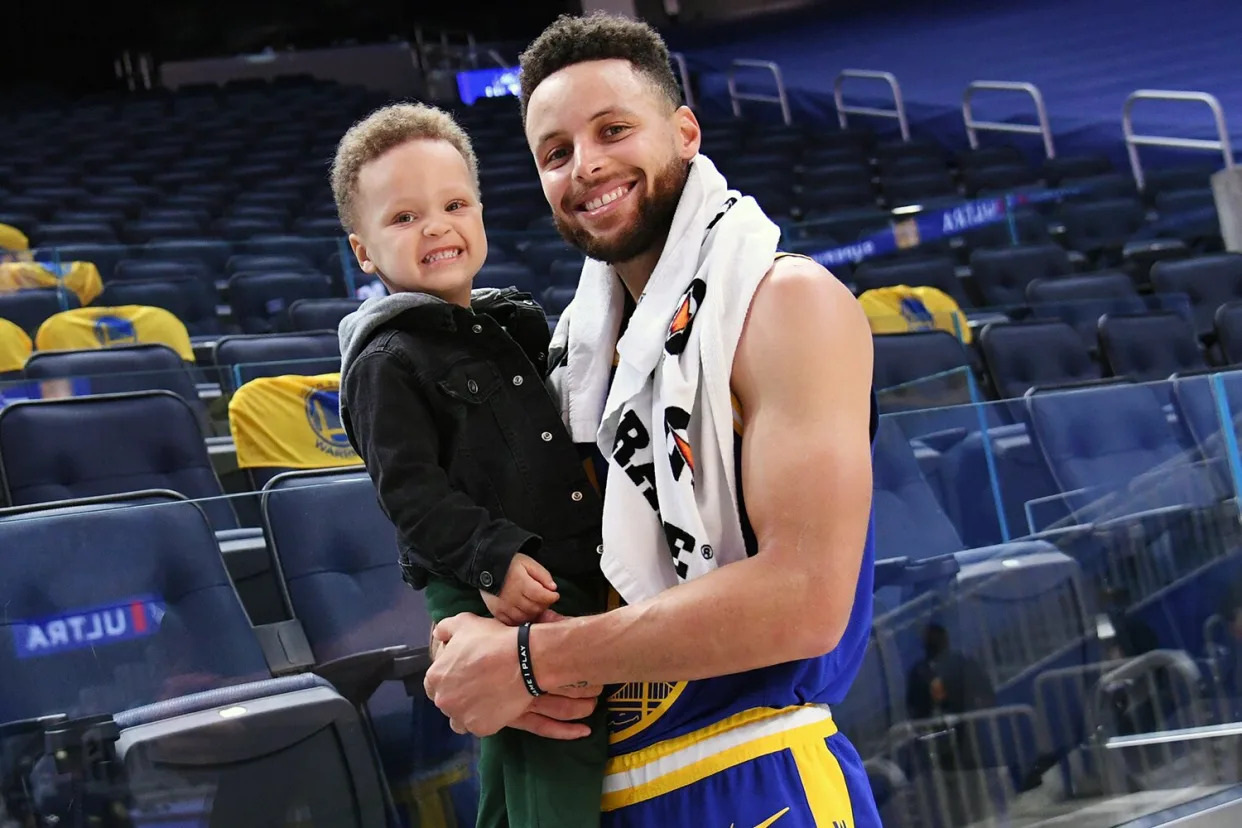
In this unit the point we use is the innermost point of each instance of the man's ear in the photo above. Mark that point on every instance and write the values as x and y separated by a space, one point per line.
360 253
689 133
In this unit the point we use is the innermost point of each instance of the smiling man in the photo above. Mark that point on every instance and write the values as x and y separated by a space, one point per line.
727 390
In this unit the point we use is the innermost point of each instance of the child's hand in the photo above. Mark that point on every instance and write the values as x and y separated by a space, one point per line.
528 590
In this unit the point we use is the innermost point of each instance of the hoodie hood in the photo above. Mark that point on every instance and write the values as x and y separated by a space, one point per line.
357 328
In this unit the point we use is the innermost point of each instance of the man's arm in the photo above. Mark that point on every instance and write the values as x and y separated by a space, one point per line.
803 376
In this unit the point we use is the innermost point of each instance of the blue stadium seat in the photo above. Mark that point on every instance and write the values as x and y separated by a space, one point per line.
997 177
1101 229
556 298
938 272
909 521
1080 301
508 275
1034 354
1057 170
261 300
1002 275
320 314
28 309
336 555
244 358
50 235
251 262
154 230
1149 347
142 614
901 190
187 297
76 447
119 370
211 253
1209 282
1113 451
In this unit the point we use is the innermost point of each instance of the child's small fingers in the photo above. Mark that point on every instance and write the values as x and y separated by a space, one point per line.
540 573
540 594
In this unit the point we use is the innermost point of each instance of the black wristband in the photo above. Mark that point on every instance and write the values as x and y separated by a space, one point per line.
528 673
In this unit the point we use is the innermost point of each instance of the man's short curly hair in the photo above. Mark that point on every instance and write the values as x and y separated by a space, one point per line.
384 129
598 36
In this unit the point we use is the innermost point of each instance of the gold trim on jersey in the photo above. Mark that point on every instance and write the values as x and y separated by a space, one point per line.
678 763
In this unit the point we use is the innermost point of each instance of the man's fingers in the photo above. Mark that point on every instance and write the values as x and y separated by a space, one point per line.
444 630
548 728
540 574
563 708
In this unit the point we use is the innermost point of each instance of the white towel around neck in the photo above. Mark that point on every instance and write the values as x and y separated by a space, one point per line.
666 422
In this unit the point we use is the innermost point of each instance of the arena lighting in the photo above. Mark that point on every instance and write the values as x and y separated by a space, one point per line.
1011 563
908 210
235 712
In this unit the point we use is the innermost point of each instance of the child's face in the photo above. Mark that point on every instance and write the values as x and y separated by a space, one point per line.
419 221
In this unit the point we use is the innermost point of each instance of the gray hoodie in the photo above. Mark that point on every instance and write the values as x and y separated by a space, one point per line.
356 329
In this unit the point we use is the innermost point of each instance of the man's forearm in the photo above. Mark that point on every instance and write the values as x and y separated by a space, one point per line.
750 614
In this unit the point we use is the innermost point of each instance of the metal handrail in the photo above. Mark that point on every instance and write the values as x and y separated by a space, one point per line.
684 72
973 127
737 97
899 105
1133 142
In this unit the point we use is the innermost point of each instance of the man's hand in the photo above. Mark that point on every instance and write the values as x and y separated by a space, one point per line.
528 590
474 679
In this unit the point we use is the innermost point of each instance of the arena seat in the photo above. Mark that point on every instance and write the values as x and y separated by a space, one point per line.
186 297
1209 281
1020 356
320 314
134 441
144 628
119 370
267 355
1149 347
1002 275
1101 229
335 551
261 300
1080 301
936 271
507 275
29 309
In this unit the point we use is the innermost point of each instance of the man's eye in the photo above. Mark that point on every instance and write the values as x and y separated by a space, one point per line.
614 130
557 154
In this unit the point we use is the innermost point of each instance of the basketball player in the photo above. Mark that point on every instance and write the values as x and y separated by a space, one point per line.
720 687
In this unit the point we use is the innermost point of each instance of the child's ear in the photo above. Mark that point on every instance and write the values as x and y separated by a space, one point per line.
360 253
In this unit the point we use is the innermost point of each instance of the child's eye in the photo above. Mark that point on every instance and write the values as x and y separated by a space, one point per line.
455 205
404 218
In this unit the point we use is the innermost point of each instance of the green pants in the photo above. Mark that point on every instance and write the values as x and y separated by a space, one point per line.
527 781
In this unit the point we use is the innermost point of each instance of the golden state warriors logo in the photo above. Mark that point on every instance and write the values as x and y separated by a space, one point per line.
916 314
634 707
323 413
114 330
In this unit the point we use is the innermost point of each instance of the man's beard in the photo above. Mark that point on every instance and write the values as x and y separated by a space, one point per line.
655 217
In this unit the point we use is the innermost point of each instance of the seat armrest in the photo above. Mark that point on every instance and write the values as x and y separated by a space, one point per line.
285 647
357 676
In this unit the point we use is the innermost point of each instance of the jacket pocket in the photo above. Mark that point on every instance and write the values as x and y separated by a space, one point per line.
470 381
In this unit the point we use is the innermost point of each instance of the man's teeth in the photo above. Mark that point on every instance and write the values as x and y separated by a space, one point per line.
606 198
441 256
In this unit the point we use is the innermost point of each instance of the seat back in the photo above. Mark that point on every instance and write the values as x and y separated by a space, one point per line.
114 604
1097 226
250 357
261 301
1100 441
29 309
904 357
1149 347
909 522
1003 274
1029 354
186 297
1227 322
320 314
118 370
1209 282
938 272
107 327
79 447
289 422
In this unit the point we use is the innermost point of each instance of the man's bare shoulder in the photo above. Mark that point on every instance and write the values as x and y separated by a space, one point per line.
800 313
